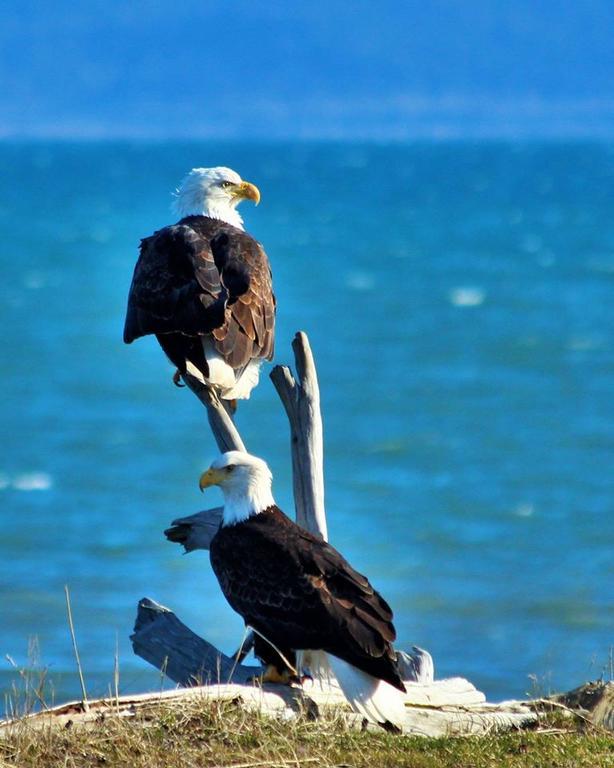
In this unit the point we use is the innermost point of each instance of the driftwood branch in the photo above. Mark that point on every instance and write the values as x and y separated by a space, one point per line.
164 641
301 399
161 638
222 426
195 531
282 702
433 708
157 640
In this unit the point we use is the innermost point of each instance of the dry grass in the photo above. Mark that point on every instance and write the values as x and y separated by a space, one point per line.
201 734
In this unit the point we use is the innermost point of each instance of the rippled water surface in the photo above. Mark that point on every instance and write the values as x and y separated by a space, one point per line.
458 298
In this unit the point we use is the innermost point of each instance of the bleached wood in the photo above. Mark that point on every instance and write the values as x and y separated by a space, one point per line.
195 531
596 699
416 666
222 426
301 399
163 640
435 708
283 702
302 403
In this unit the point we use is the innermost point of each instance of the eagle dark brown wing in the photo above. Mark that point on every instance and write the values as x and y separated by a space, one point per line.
301 593
202 276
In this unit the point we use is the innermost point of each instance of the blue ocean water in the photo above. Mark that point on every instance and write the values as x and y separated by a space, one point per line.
458 298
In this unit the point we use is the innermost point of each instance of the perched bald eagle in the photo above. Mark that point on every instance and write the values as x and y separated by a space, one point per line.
299 592
203 286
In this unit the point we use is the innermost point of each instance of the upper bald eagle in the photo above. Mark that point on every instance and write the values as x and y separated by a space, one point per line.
299 592
203 286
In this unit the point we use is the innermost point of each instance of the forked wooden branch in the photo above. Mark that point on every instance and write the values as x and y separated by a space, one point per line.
158 636
164 641
301 399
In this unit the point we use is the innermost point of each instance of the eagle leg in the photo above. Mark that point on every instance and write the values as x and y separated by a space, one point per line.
272 674
177 379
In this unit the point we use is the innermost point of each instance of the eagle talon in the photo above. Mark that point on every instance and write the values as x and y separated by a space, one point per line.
177 379
272 675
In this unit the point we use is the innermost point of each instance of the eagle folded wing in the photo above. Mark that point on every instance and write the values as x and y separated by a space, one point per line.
350 599
176 286
200 277
250 314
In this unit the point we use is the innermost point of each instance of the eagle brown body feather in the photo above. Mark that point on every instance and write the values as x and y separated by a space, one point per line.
300 593
203 277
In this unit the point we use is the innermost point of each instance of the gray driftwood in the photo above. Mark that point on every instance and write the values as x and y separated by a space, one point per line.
592 701
433 707
195 531
222 426
282 702
184 657
301 399
300 396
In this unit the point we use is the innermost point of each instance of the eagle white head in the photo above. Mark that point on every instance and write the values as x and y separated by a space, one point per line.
214 192
245 481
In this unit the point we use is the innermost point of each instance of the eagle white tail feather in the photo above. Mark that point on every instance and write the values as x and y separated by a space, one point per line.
377 701
245 383
317 664
223 377
220 373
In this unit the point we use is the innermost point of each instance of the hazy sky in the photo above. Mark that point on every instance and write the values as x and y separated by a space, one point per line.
237 68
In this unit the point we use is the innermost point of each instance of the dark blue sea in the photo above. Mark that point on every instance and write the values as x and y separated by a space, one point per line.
459 302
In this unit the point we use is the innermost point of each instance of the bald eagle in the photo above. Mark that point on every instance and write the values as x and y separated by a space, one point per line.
203 286
300 593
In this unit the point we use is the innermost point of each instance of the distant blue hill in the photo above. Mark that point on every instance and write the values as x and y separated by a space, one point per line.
364 69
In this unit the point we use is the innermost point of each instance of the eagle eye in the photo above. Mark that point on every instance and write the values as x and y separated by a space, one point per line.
230 467
226 184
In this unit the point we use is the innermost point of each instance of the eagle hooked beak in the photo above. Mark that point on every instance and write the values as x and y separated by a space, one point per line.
247 191
209 478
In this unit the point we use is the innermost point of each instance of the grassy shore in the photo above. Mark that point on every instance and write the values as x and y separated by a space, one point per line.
201 734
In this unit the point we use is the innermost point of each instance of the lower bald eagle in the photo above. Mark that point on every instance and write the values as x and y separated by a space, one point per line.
299 592
203 286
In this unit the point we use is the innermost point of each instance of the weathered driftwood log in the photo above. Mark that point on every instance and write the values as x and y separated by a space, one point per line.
433 708
425 716
301 399
285 702
160 638
282 702
164 641
593 701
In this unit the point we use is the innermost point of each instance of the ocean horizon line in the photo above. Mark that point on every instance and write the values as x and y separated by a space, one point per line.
399 119
261 139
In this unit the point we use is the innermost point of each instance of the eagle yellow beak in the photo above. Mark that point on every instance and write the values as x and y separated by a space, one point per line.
209 478
247 191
